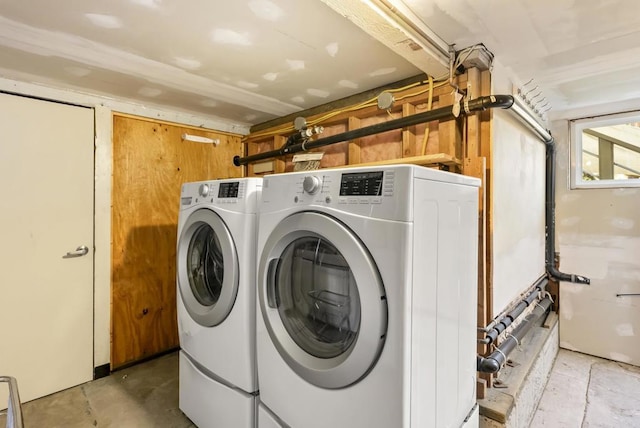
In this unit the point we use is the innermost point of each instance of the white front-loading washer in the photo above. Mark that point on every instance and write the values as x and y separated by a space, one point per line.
266 418
216 301
367 285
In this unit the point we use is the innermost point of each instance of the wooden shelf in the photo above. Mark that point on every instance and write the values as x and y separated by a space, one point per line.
425 160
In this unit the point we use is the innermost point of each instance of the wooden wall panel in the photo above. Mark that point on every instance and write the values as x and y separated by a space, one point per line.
386 145
335 154
354 146
409 147
150 163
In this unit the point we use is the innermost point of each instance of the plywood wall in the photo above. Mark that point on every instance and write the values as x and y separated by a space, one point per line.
150 163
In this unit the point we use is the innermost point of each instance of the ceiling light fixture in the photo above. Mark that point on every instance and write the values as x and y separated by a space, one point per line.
396 12
394 24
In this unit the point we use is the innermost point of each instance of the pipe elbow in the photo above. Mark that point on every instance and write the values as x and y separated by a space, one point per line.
489 101
487 365
561 276
502 101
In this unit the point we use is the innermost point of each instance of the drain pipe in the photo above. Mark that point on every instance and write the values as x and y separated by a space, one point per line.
550 220
550 194
494 362
501 325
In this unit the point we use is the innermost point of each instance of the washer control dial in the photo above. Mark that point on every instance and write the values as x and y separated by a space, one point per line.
311 184
204 190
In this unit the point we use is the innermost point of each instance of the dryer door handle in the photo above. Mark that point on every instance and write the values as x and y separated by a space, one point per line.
271 283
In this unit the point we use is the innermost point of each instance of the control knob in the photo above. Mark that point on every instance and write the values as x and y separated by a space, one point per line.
203 190
311 184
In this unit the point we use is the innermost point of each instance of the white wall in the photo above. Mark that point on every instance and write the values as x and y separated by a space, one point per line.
518 173
598 235
518 176
103 171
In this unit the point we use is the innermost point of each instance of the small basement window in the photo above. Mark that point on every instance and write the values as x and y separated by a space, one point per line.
605 151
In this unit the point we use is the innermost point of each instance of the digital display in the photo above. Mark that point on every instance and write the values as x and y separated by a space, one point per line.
361 184
228 190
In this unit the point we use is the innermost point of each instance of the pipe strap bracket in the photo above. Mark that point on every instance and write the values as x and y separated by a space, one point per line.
504 356
515 339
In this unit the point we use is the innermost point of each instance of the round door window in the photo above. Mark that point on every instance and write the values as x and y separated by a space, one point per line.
205 264
322 300
318 298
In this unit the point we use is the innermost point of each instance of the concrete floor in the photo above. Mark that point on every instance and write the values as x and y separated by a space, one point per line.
588 392
583 391
142 396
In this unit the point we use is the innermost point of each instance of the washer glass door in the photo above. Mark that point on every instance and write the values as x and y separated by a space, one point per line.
317 297
207 268
322 300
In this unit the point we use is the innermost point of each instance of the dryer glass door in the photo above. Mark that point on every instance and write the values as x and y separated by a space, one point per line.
207 268
319 303
322 300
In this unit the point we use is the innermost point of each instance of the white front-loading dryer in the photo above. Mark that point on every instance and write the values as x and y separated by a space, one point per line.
367 297
216 301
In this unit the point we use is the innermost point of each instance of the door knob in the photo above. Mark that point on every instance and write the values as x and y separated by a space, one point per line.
82 250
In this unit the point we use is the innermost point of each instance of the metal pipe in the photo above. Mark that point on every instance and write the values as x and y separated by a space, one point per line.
494 362
550 219
478 104
14 409
428 116
504 322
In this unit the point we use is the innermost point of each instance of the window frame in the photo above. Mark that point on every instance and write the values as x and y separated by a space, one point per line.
577 126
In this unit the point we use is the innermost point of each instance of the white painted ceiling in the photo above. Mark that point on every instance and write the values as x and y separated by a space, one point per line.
248 61
578 52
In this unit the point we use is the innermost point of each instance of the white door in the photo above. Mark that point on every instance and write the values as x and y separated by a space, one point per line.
46 211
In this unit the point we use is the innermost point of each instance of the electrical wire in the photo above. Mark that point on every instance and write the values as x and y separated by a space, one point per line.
371 102
460 58
423 151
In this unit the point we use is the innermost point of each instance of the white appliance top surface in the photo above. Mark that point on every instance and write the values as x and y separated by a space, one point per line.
383 192
233 194
416 171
